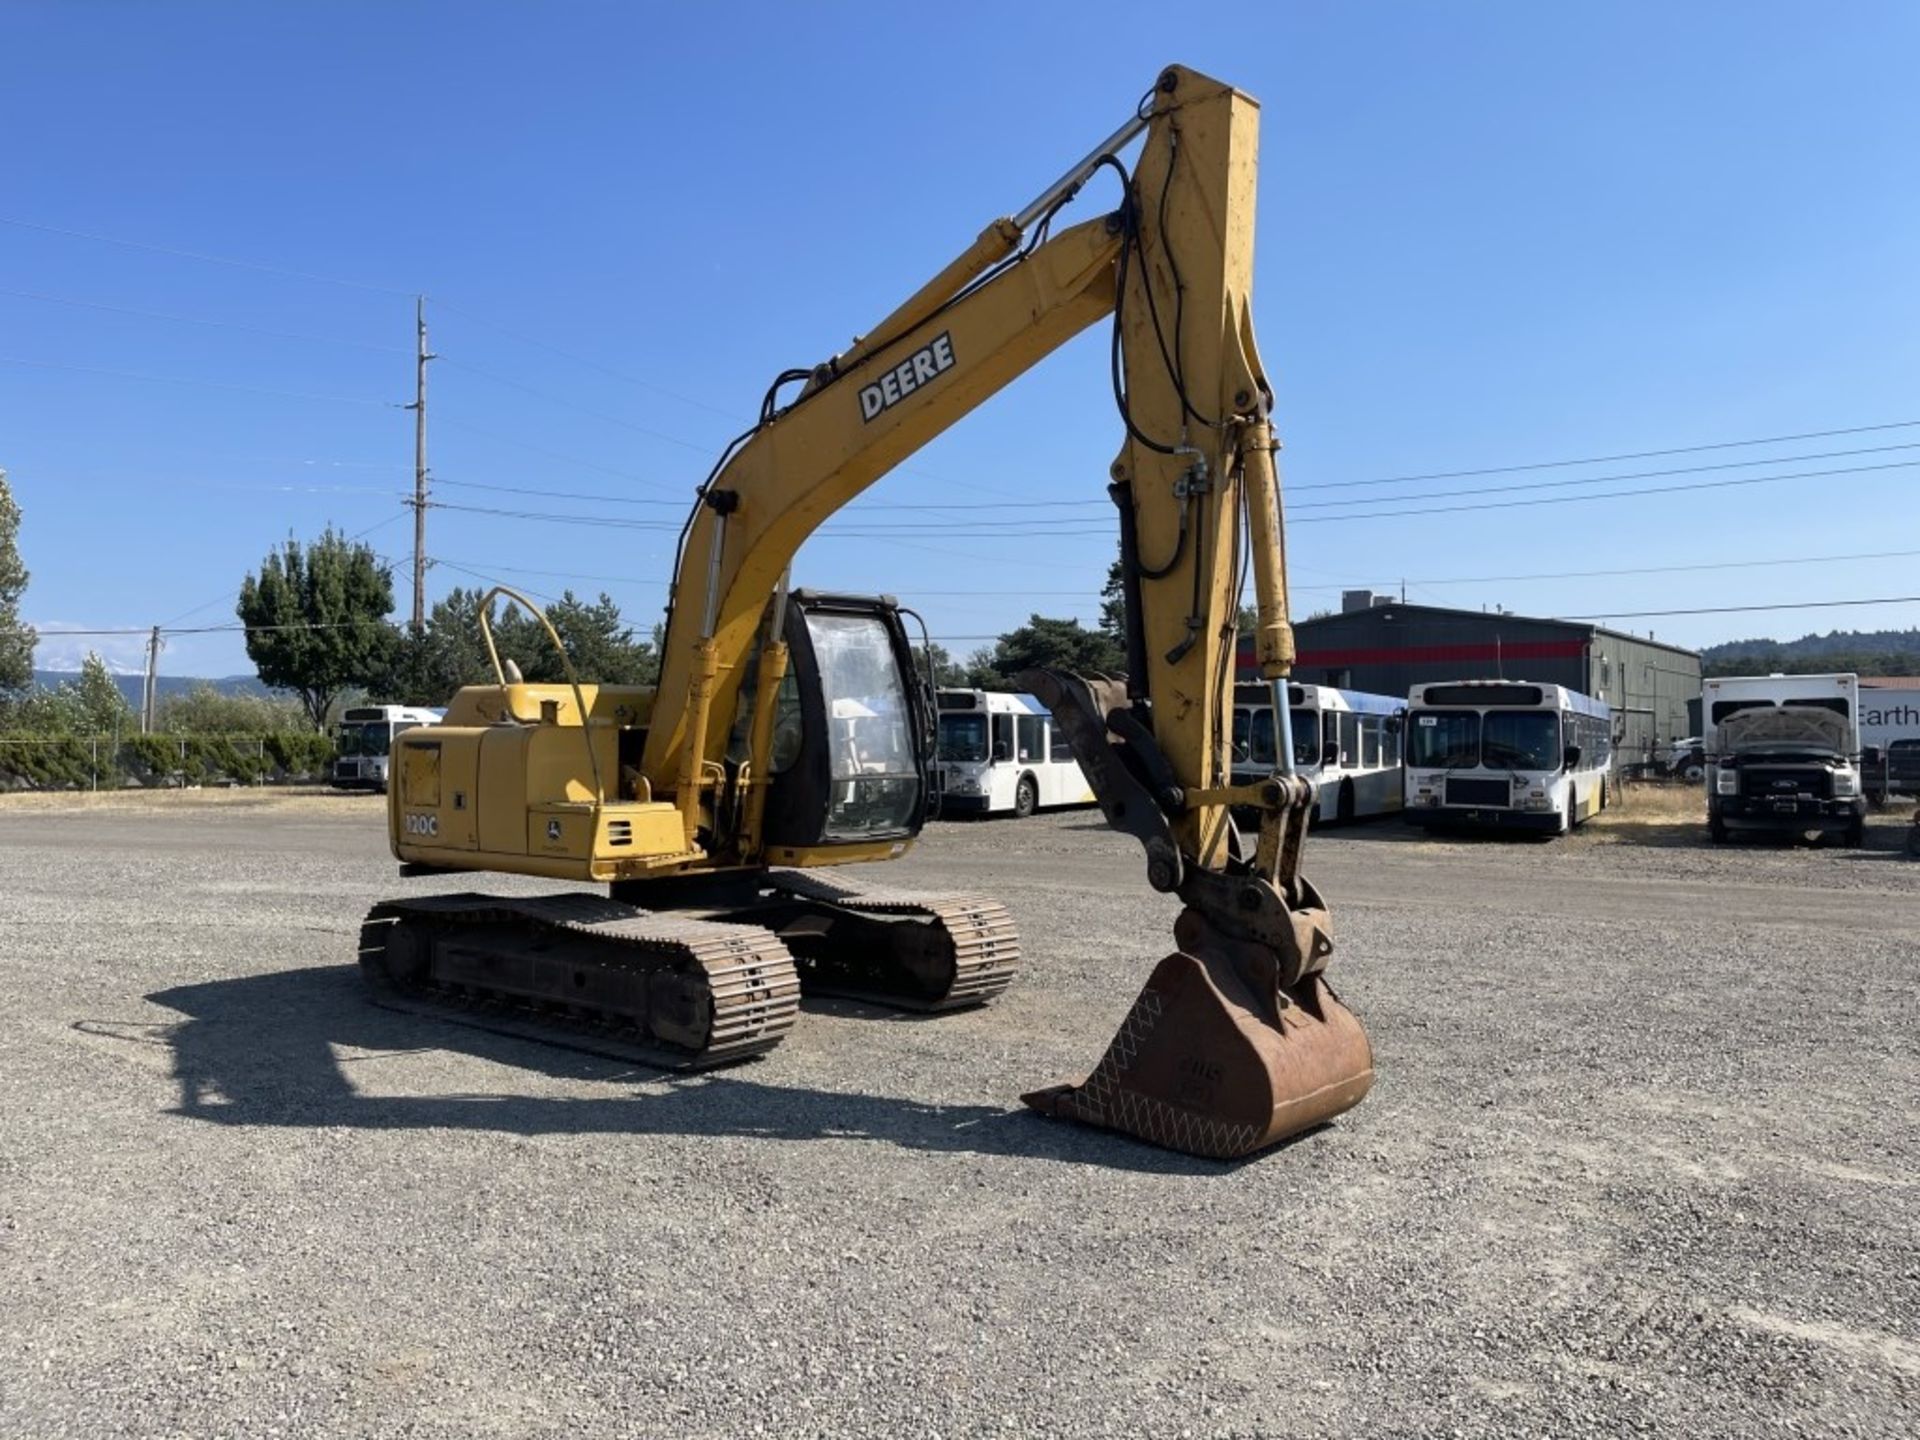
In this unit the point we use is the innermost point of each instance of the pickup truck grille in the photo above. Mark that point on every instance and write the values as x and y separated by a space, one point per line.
1468 790
1783 782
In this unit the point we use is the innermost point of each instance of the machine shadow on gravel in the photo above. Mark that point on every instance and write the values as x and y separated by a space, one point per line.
260 1050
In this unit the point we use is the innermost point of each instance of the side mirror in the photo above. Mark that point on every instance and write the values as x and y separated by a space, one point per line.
1330 755
1571 757
1002 752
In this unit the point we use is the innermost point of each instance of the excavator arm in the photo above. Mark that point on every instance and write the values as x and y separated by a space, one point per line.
1237 1040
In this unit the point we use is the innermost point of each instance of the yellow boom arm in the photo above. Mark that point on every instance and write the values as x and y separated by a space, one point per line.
1177 261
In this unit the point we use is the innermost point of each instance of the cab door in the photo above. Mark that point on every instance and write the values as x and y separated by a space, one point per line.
852 730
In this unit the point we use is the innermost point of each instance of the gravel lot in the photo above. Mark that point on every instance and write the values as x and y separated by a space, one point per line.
1642 1158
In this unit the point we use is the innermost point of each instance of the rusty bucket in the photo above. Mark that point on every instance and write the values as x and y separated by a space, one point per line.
1199 1066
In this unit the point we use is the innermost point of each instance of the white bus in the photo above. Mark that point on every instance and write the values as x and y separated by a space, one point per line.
365 740
1506 753
1000 754
1346 742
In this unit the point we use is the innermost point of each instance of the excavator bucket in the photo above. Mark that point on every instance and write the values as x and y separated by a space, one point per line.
1197 1068
1237 1041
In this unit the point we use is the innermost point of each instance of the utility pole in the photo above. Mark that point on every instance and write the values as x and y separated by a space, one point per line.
148 693
419 408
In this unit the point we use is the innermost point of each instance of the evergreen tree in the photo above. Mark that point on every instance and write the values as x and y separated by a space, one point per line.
1057 645
1113 606
600 644
449 653
947 673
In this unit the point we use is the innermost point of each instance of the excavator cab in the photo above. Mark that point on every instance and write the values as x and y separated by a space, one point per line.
851 731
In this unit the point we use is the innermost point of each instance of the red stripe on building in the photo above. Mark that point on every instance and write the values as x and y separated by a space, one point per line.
1444 654
1479 653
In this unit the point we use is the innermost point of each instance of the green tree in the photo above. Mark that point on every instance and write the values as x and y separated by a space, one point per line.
600 644
98 706
316 620
1113 606
979 673
1056 645
448 653
947 673
16 636
1113 610
204 710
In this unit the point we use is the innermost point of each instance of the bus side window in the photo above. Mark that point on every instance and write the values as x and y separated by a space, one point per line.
1349 738
1030 741
1330 729
1003 737
1390 742
1370 742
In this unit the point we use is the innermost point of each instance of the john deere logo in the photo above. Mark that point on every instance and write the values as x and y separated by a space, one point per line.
553 832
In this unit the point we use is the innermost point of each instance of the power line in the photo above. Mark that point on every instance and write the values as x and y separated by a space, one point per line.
851 507
468 565
1605 494
1068 527
212 629
1610 479
592 364
551 399
565 459
1640 570
1739 609
201 320
235 594
202 256
1607 459
189 380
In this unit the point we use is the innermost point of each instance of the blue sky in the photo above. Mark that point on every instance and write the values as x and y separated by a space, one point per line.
1489 235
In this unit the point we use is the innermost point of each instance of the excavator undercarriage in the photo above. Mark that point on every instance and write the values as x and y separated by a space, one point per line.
713 973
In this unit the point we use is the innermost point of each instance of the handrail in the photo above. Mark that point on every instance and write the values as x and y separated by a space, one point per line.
573 679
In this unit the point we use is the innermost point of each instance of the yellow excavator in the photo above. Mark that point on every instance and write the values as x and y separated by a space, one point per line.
790 731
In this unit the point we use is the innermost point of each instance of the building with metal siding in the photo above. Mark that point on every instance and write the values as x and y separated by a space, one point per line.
1388 647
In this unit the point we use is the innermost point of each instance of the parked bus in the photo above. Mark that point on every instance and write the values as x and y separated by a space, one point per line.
1000 755
365 739
1506 753
1346 742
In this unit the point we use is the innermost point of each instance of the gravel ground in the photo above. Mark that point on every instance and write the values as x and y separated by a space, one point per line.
1641 1158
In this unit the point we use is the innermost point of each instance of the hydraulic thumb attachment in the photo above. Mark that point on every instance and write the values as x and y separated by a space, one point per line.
1237 1041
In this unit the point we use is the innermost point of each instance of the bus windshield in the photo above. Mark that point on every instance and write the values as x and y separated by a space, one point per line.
372 737
1306 737
1260 742
1445 739
1521 740
963 737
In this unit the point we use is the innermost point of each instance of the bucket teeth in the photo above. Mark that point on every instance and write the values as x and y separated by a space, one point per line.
1197 1068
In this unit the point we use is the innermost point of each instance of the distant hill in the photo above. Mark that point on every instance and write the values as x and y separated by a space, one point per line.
131 685
1866 652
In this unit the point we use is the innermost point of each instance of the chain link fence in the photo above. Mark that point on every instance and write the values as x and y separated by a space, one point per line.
102 762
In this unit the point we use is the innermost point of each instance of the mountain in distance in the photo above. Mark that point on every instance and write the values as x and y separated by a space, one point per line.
131 685
1865 652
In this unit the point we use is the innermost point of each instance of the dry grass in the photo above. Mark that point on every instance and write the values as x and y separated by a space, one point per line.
1656 805
306 798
